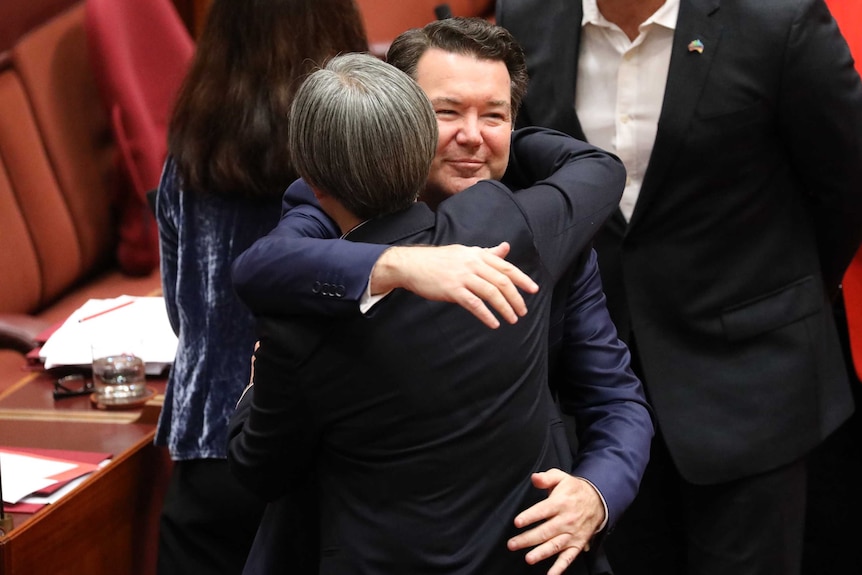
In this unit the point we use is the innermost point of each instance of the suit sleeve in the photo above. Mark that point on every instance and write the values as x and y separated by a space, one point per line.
272 440
820 114
301 266
566 208
599 389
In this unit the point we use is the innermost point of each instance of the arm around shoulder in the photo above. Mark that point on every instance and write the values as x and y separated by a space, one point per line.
271 436
599 389
577 187
302 266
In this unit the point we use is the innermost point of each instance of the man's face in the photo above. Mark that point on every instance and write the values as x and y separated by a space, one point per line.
472 101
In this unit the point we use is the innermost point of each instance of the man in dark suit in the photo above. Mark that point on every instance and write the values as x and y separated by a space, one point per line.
423 426
289 272
740 124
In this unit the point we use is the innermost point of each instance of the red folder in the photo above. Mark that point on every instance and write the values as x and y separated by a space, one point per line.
88 461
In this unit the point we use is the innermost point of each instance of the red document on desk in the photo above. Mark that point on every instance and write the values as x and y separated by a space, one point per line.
34 362
86 462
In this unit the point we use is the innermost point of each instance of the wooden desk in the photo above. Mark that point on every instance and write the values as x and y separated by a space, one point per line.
109 524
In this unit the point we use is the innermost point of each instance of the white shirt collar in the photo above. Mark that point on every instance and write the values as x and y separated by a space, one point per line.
354 228
665 16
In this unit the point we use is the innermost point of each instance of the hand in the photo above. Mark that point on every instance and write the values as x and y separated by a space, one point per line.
468 276
569 518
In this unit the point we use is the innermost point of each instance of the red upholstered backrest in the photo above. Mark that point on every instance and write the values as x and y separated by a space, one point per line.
18 257
17 18
54 71
57 168
41 254
140 51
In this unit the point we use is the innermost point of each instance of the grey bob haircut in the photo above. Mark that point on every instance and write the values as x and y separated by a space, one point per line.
363 132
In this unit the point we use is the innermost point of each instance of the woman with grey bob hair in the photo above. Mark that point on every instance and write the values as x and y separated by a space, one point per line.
364 133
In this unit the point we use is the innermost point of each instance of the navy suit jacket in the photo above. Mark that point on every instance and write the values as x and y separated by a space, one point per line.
423 425
749 212
291 271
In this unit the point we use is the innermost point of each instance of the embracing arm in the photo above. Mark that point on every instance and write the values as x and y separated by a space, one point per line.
300 267
599 388
577 186
293 270
272 440
614 428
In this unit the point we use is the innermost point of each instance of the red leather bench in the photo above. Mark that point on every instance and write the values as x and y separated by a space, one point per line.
58 178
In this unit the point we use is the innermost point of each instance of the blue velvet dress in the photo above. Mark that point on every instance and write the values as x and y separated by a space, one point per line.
200 235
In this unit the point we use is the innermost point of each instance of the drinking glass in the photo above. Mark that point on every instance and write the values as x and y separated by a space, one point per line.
118 372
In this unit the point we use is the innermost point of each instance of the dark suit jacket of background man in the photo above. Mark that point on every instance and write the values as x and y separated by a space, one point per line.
749 212
424 425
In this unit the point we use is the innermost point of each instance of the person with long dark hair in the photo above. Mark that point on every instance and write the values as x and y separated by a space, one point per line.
221 189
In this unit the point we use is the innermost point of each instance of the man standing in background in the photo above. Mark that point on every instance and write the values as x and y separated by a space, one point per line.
740 125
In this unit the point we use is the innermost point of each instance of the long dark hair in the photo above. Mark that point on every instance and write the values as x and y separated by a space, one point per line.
228 131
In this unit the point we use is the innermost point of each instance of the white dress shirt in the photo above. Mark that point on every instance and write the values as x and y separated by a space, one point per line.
621 87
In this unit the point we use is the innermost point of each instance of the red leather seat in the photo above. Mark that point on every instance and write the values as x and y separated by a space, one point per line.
140 51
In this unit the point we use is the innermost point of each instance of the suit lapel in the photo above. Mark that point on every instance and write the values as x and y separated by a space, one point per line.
394 228
686 78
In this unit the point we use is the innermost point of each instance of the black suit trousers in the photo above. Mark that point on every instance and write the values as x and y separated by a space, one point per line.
750 526
832 529
208 520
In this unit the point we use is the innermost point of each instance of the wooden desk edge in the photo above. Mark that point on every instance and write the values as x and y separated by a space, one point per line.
132 451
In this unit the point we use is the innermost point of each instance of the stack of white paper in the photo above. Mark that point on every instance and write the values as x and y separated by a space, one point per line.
142 322
24 474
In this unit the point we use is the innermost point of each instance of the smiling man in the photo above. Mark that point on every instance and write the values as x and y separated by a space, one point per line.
474 120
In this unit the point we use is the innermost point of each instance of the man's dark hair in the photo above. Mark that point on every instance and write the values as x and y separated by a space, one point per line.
474 36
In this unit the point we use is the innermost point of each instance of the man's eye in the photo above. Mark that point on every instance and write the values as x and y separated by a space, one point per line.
445 112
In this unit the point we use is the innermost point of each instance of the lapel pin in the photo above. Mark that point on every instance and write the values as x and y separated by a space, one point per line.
695 46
